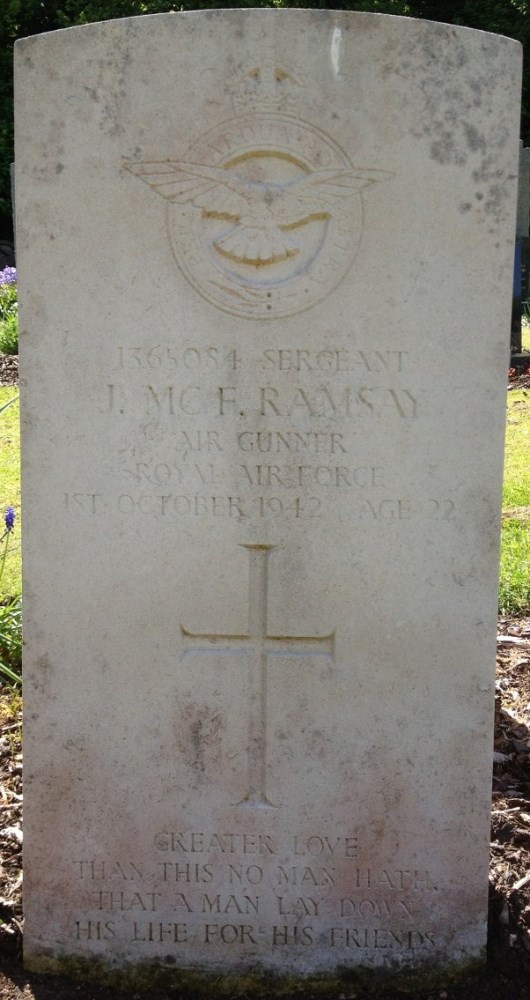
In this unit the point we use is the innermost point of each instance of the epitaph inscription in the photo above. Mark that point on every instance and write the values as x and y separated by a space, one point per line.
239 890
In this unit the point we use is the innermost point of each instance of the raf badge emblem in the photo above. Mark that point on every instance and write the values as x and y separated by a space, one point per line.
265 211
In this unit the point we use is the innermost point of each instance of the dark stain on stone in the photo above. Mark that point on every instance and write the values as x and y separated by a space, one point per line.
200 737
198 749
444 149
494 199
475 141
44 669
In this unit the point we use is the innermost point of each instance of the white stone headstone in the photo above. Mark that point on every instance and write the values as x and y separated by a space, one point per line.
265 276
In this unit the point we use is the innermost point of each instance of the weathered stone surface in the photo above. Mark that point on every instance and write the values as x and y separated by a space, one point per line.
265 267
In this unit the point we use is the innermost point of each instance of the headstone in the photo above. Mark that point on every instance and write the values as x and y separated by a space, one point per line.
259 255
523 199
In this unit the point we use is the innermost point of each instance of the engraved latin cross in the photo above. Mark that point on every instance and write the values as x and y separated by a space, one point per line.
257 646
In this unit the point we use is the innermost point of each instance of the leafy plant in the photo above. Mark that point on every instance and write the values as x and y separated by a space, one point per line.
10 617
9 335
8 293
8 311
11 639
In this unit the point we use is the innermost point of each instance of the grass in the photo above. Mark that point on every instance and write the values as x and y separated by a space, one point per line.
10 584
516 491
514 591
514 588
10 486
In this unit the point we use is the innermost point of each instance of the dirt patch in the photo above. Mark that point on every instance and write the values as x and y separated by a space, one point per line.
519 381
516 514
8 369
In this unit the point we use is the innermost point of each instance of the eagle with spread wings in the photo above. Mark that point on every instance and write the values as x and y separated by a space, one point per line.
265 215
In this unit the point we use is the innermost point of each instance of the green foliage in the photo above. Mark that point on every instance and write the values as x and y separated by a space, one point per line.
8 315
514 587
11 639
8 319
514 590
516 493
10 485
398 7
10 615
8 301
9 335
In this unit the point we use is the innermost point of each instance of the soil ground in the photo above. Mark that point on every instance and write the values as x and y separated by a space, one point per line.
507 974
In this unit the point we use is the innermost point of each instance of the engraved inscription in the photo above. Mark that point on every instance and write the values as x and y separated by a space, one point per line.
169 357
247 935
365 401
299 508
329 360
237 889
269 451
266 86
199 842
332 360
257 646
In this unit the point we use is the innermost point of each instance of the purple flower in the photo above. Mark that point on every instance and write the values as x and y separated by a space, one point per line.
9 517
8 276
